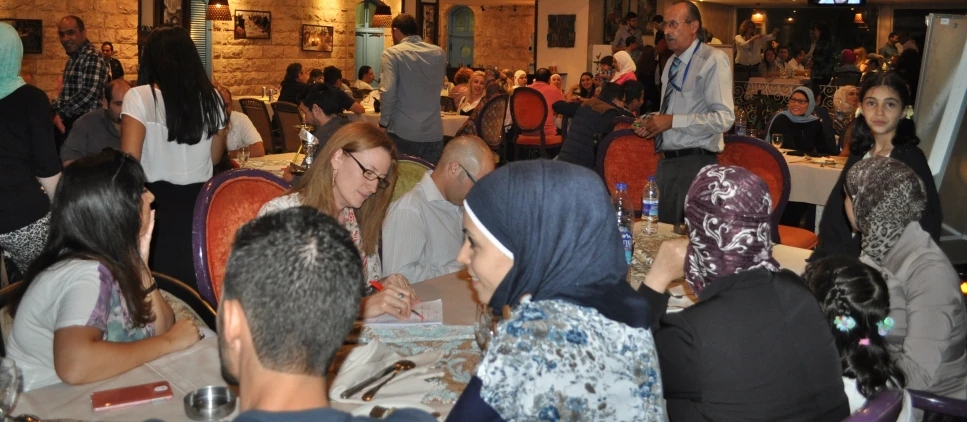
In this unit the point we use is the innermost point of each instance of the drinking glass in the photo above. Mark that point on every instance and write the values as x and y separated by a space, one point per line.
243 154
11 384
485 327
776 140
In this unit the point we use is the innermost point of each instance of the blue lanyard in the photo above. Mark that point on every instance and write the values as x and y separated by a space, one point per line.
685 75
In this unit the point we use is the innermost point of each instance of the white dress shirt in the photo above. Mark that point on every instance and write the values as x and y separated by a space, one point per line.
704 108
749 53
422 234
361 84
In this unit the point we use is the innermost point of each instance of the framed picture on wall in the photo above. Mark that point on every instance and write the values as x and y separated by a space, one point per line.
31 33
253 24
427 15
171 13
316 38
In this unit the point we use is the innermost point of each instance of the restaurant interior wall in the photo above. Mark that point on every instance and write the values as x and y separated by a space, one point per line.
105 20
502 35
574 60
719 20
246 65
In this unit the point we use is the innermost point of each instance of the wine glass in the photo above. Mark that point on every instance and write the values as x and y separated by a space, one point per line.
11 384
776 140
243 154
484 328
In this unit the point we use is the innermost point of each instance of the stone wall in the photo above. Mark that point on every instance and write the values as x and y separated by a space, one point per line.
105 20
501 37
246 65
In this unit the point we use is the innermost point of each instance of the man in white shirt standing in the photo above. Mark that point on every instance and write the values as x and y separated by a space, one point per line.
696 108
241 130
423 229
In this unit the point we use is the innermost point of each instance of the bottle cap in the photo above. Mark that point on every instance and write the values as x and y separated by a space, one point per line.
651 178
621 186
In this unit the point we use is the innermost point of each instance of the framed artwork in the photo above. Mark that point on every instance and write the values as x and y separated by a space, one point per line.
316 38
31 33
560 31
171 13
253 24
428 14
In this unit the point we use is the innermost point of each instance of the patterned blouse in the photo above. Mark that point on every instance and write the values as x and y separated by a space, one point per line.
372 267
554 360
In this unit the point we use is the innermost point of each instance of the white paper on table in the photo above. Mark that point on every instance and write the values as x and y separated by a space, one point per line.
432 312
676 304
364 361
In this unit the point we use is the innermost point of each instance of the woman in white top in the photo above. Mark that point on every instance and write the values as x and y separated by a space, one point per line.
476 93
90 309
174 124
748 44
856 301
352 180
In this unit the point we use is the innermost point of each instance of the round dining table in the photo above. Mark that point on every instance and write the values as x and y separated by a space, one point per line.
199 365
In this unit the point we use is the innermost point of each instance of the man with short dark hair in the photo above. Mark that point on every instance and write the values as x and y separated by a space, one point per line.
696 108
107 50
632 47
782 57
889 50
365 78
410 76
322 107
315 76
551 95
628 28
241 130
591 120
634 96
97 129
423 230
281 321
332 76
85 74
295 83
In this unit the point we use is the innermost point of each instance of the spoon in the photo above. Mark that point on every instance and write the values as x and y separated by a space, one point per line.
403 365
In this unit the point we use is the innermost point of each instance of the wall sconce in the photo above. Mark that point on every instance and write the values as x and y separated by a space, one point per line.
858 19
758 18
218 11
789 19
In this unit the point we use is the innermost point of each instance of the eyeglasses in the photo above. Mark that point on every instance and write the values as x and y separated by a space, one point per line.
673 25
472 179
798 101
369 174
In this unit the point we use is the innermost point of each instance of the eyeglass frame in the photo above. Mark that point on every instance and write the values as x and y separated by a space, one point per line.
793 100
381 183
470 176
673 24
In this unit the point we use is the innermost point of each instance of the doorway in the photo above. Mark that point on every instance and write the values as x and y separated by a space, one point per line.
369 42
460 37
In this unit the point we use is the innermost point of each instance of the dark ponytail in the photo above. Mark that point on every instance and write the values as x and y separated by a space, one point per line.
906 131
849 289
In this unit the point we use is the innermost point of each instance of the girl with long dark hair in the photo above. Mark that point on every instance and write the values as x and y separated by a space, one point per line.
90 308
883 128
856 301
174 124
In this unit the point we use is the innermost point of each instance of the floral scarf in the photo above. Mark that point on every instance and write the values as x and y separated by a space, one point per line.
727 210
887 196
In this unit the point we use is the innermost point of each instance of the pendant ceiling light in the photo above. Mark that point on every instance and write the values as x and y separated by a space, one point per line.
384 15
218 11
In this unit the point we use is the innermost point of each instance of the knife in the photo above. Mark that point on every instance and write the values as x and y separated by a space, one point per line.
365 383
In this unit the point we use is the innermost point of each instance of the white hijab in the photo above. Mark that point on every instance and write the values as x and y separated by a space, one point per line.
625 65
517 76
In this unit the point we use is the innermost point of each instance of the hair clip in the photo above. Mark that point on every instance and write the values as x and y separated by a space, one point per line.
908 112
844 323
884 326
864 341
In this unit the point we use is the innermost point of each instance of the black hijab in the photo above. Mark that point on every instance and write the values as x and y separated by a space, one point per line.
557 221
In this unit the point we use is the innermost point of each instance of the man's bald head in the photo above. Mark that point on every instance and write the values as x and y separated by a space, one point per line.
464 160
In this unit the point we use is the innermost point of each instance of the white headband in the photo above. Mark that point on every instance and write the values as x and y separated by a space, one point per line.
487 233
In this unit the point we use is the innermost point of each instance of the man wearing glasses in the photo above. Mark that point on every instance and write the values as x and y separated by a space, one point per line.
628 29
422 232
696 108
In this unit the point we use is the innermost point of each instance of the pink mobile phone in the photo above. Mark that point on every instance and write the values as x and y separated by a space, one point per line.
131 396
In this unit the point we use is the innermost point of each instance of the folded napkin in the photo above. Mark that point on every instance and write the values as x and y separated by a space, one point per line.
364 361
676 304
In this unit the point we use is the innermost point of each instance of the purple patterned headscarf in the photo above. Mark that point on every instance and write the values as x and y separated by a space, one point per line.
727 212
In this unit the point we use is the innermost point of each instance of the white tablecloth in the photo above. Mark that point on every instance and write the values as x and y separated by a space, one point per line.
811 183
451 122
774 86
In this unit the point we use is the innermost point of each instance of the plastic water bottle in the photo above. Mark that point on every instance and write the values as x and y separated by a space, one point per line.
649 207
740 122
622 206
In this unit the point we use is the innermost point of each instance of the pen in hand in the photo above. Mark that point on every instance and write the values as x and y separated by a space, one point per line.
379 287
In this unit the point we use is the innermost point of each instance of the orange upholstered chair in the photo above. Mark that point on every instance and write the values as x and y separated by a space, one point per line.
623 122
767 162
529 112
627 158
224 204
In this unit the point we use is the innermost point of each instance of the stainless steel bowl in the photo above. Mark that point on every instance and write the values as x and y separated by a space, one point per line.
210 403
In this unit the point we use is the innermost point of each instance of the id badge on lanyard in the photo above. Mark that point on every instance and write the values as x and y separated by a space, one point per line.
688 66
